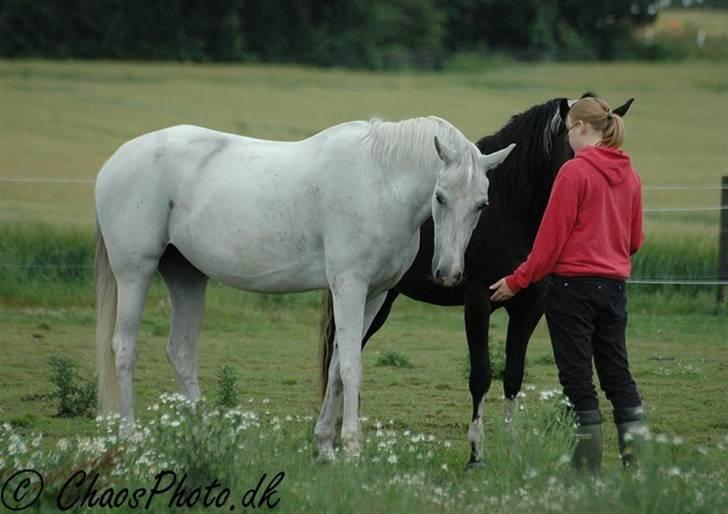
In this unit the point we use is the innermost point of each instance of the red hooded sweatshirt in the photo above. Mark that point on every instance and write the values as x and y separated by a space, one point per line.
593 221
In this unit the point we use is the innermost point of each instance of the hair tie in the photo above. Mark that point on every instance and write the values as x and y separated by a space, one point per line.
609 114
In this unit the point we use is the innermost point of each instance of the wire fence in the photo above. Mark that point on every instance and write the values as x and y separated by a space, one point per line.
675 281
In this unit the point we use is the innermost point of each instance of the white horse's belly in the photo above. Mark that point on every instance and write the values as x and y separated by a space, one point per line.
250 259
287 280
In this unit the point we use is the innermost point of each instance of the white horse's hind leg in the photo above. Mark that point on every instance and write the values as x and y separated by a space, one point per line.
187 287
131 297
325 426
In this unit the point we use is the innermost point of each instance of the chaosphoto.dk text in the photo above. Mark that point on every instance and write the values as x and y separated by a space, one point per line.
83 490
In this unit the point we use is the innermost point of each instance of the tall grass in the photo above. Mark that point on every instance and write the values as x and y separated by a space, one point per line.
51 267
43 265
684 257
244 449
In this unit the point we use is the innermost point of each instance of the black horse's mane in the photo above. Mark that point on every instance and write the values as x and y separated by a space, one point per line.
520 187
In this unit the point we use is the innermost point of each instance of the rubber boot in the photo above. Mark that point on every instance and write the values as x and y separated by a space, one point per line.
588 449
629 421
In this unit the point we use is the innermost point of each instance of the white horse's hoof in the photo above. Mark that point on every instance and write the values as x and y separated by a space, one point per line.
352 450
126 429
326 455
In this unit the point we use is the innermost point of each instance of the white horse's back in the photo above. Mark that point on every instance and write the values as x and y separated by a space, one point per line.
245 211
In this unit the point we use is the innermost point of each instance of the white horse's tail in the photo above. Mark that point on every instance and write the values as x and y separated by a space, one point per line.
108 386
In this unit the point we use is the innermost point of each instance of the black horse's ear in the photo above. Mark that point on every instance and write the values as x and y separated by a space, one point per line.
564 109
622 109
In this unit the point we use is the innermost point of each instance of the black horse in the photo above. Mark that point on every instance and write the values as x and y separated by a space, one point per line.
519 191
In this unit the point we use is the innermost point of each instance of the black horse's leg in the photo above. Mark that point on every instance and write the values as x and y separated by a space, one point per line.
381 316
523 316
477 315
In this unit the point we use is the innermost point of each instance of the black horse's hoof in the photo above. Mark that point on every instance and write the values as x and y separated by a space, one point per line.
474 464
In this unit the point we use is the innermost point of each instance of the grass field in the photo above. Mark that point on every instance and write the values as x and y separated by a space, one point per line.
63 119
678 356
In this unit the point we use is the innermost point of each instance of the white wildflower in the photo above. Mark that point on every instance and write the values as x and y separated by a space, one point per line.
16 446
545 395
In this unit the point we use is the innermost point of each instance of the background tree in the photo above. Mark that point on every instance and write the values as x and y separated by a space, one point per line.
352 33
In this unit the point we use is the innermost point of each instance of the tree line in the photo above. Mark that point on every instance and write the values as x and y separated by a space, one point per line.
352 33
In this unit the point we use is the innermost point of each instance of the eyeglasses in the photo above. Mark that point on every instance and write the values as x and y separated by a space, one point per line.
568 129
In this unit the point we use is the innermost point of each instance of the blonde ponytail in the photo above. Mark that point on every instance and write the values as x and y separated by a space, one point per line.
613 132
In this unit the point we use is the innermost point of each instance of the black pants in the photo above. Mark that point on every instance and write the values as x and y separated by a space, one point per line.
587 318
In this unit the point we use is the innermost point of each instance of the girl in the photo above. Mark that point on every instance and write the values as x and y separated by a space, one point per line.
591 227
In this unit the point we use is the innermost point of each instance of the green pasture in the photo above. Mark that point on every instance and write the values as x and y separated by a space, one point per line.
63 119
678 357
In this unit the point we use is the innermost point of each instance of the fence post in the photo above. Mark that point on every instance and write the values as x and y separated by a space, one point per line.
723 244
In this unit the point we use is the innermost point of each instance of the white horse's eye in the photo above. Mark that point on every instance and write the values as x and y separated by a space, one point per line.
481 206
440 199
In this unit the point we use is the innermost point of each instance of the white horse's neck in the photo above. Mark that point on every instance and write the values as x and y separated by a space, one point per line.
407 150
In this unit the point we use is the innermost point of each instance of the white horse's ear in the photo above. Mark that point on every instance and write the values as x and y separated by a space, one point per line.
492 160
443 152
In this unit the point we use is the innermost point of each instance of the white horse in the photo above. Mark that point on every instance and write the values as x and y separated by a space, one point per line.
339 210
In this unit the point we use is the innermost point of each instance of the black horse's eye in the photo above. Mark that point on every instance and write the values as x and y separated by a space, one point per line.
439 199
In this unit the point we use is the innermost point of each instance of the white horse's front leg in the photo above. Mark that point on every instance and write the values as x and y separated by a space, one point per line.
372 309
349 297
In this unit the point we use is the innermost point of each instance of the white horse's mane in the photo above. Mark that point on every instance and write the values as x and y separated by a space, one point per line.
411 143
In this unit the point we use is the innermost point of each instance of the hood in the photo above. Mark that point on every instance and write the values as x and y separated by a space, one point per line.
613 163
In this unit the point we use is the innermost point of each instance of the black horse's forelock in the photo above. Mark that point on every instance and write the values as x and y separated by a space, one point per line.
526 175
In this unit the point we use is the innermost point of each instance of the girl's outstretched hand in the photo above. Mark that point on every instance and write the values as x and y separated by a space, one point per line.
502 291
